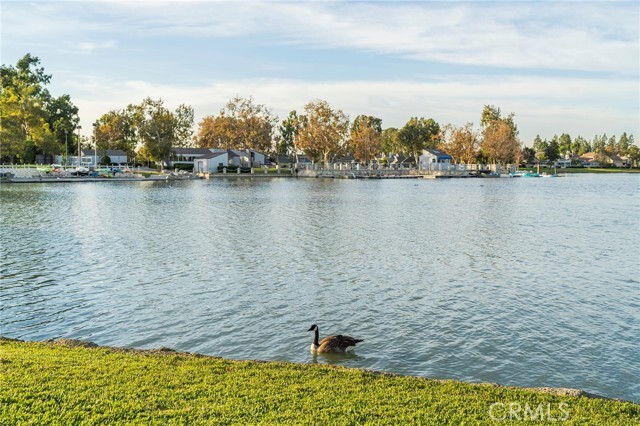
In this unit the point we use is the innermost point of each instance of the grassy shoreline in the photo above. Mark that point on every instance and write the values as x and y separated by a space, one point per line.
579 170
69 383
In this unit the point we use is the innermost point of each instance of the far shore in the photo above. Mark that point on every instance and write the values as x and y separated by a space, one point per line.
148 175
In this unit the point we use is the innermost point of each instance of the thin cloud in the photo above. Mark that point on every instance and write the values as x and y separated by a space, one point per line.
89 47
593 36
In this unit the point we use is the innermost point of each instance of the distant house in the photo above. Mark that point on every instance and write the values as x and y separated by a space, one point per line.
238 158
347 159
116 156
433 156
248 158
618 161
257 158
402 161
285 161
209 163
187 155
303 159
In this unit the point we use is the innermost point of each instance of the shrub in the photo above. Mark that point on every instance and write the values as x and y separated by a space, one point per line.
185 167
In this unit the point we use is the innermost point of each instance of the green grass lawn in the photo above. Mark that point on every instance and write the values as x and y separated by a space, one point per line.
568 170
44 383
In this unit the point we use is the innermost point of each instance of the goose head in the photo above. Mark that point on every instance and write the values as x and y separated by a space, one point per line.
313 328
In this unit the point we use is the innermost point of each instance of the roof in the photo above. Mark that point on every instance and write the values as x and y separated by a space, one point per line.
346 159
191 151
212 155
110 152
588 156
437 153
285 159
401 158
236 153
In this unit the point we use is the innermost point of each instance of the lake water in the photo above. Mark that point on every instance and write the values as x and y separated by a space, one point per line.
525 282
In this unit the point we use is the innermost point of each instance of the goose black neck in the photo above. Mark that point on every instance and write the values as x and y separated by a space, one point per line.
315 337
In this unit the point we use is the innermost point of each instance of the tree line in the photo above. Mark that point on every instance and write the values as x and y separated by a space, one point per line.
34 122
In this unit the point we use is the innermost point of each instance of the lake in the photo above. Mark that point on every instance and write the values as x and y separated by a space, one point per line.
523 282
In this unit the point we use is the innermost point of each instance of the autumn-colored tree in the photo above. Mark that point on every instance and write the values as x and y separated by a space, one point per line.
418 134
241 124
462 143
213 133
500 137
366 137
499 144
323 131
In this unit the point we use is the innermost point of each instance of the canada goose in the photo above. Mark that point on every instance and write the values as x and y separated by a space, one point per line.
332 344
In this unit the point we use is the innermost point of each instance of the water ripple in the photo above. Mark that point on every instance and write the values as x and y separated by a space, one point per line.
521 282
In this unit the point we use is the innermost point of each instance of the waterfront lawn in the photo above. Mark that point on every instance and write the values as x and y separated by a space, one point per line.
598 170
44 383
569 170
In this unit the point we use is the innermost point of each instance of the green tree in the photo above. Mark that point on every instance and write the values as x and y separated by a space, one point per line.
418 134
580 146
184 116
116 130
390 143
599 143
623 144
552 151
490 113
564 143
633 153
23 116
539 147
157 128
31 120
63 119
528 155
323 131
288 133
366 137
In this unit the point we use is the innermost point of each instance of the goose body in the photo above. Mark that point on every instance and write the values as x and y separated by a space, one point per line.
338 344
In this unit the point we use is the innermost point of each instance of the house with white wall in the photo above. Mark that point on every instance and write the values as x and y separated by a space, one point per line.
187 155
209 163
432 156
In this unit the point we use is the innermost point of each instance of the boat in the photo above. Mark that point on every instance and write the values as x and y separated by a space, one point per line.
524 174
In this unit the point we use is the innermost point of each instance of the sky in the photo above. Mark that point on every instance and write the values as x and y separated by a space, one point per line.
561 67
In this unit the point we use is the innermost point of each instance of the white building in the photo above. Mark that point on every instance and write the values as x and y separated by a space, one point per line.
209 163
431 156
